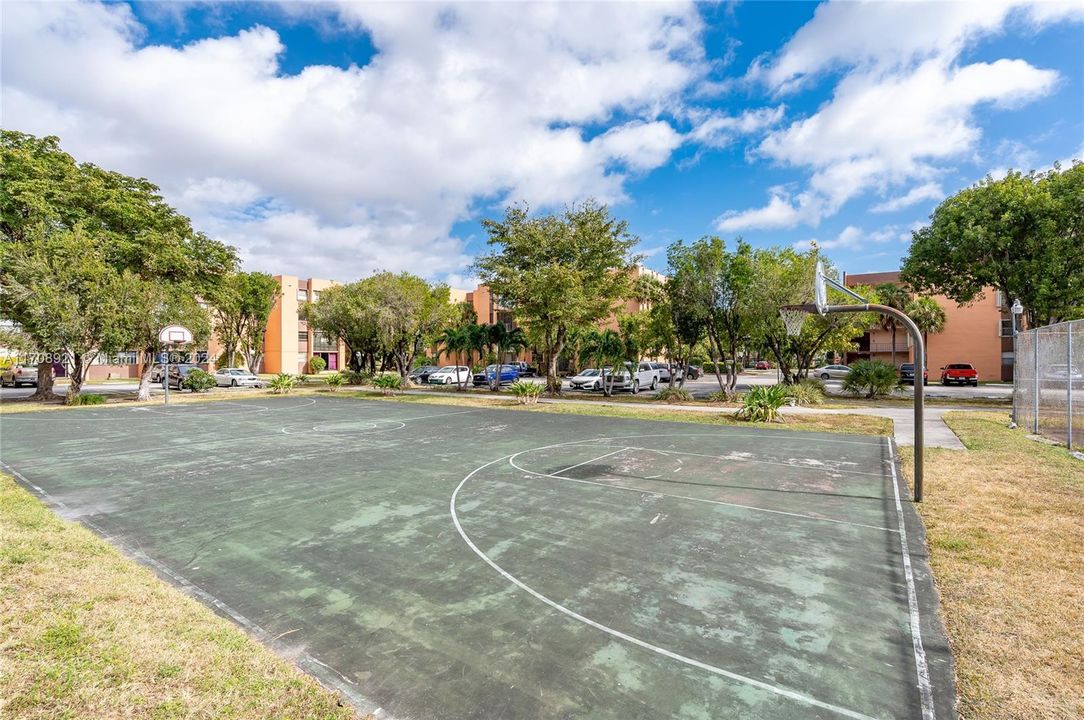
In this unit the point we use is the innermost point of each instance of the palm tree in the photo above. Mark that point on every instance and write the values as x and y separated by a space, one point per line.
605 348
930 318
456 341
477 340
503 340
894 296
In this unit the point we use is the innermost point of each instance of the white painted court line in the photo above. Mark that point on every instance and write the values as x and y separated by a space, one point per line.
588 462
774 689
511 461
925 689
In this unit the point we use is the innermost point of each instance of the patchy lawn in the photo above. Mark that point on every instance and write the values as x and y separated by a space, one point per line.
1005 526
87 633
861 424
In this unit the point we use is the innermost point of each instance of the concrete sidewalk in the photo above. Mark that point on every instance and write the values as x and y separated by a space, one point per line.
937 433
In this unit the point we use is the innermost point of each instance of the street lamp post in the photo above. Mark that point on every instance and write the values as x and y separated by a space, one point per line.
1014 311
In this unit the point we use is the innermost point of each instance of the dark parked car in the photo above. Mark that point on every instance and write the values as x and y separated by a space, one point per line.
692 372
177 374
509 374
19 374
524 369
907 374
421 374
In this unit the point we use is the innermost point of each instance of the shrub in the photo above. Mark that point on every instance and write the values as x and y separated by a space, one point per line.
198 381
88 399
388 382
807 392
283 383
334 381
317 365
674 395
527 392
354 377
762 403
722 396
871 378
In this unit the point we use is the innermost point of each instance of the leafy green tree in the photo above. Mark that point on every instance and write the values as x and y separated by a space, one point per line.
928 315
241 305
558 273
409 314
503 341
894 296
784 276
150 306
1023 235
61 288
605 348
46 197
713 288
345 312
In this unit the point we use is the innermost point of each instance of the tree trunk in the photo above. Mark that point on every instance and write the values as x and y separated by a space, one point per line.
145 376
75 382
732 367
44 390
893 344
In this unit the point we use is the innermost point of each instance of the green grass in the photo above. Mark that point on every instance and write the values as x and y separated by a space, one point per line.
87 633
1005 526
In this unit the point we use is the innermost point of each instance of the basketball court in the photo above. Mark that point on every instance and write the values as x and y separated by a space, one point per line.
442 562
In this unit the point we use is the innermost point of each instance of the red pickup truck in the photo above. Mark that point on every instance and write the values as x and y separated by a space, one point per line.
960 373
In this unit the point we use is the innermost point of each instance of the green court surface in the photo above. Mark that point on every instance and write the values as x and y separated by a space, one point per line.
440 562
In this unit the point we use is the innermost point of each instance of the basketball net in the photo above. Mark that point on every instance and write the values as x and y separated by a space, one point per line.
793 319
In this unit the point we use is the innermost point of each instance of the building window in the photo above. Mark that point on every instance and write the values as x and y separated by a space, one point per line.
322 343
1008 358
999 299
1006 326
302 295
303 337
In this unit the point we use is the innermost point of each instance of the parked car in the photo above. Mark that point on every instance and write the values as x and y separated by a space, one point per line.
19 374
450 375
524 369
645 375
157 372
665 370
960 373
907 374
421 374
589 379
177 374
692 372
832 372
509 374
237 377
762 365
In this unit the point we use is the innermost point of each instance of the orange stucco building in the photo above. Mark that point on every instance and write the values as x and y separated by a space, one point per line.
290 343
979 333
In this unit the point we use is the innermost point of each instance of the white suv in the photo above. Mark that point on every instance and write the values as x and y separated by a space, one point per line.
645 375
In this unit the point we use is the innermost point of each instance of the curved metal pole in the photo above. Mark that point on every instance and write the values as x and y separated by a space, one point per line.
920 364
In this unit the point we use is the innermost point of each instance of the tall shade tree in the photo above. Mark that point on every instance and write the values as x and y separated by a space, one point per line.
345 312
927 315
557 273
60 287
894 296
784 276
712 287
124 221
1023 235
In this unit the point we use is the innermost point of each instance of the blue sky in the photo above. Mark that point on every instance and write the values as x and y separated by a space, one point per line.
335 139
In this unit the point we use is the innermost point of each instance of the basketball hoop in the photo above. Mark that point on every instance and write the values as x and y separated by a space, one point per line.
793 318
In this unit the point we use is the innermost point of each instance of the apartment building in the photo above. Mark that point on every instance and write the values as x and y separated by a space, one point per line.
979 333
290 343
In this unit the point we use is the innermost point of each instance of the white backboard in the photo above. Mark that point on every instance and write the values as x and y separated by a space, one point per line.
175 335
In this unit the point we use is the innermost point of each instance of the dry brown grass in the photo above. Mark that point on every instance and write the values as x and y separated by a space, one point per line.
1005 524
87 633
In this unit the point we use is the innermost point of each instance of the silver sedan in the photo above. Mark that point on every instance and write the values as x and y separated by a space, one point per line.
831 372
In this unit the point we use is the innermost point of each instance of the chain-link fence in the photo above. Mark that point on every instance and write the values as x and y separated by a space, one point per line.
1048 392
